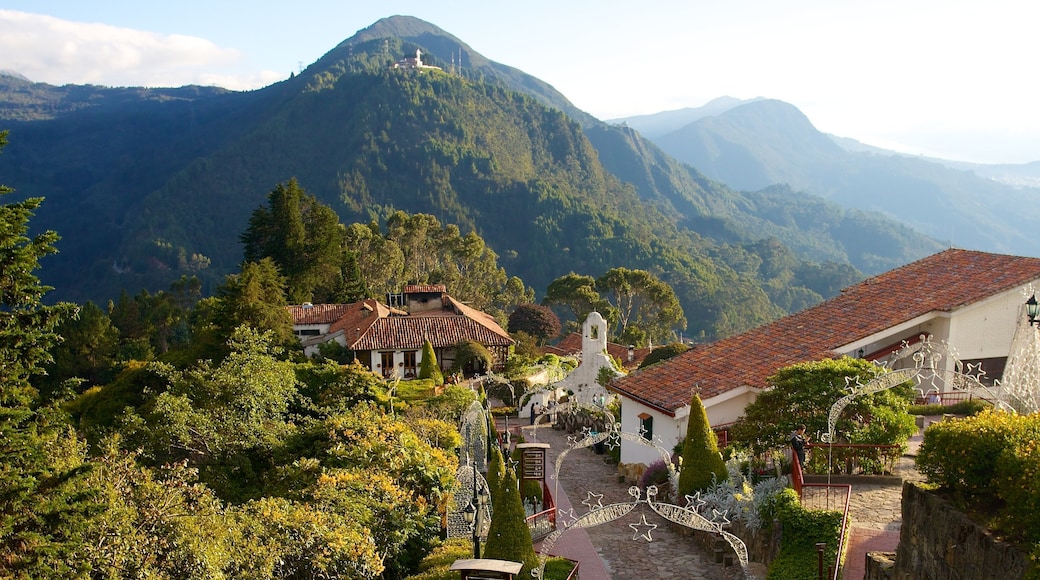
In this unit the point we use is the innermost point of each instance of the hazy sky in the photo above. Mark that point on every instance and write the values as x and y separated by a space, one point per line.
946 78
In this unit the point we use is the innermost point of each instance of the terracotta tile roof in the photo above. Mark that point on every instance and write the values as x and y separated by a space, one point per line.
410 332
939 283
369 325
317 313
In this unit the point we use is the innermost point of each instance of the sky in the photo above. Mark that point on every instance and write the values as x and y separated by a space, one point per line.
943 78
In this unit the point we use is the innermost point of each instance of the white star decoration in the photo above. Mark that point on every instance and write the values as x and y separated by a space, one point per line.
643 524
695 502
719 517
594 501
567 516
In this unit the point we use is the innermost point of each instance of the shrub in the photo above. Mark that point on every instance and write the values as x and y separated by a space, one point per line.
960 455
702 464
473 355
963 408
436 565
802 530
428 367
664 353
655 474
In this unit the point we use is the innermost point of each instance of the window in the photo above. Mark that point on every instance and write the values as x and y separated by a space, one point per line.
646 426
409 364
386 362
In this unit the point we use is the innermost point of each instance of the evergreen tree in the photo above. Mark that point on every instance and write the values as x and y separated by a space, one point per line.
43 503
303 238
255 297
428 367
702 463
509 538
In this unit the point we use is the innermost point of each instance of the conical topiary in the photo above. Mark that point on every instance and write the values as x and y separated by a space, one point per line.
509 537
428 367
700 455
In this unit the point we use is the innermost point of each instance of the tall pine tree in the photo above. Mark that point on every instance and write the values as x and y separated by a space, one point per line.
42 504
701 462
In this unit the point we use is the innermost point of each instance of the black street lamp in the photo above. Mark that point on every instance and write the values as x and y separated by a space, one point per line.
1033 310
473 512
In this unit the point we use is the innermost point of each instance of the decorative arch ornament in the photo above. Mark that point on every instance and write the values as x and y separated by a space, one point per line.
600 514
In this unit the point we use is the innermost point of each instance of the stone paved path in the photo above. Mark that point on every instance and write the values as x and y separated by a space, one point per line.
875 512
669 555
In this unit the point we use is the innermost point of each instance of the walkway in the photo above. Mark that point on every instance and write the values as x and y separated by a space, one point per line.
609 551
876 511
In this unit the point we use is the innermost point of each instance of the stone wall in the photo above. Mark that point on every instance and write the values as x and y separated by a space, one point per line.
938 542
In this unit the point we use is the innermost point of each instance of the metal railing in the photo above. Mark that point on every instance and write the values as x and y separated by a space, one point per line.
543 523
831 497
852 458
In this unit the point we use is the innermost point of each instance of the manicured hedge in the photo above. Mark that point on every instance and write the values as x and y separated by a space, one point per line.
990 459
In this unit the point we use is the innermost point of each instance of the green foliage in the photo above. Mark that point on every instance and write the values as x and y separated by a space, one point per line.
281 538
962 408
216 415
448 406
577 294
98 409
472 355
305 241
664 353
159 523
962 455
509 538
45 501
804 393
802 530
646 308
988 464
334 387
437 564
88 351
428 367
702 464
255 297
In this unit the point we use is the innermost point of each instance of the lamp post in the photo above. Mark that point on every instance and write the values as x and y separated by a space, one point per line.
473 513
1033 310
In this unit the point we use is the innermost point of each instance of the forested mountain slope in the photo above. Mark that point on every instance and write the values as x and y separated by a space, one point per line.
144 189
760 143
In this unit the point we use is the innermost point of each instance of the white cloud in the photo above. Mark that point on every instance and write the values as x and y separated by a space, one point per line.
56 51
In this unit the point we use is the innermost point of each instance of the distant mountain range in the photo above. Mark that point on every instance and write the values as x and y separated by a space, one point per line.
146 185
758 143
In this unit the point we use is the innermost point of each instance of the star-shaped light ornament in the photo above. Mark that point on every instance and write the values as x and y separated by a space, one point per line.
695 502
567 516
720 517
594 501
643 524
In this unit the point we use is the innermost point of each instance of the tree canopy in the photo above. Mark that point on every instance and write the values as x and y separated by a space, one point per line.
804 393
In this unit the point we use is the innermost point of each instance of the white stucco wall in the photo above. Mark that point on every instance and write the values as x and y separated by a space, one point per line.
985 329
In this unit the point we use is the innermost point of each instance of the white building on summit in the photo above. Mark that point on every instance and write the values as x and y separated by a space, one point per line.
414 63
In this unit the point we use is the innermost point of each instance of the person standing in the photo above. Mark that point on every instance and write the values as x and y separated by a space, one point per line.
536 409
798 441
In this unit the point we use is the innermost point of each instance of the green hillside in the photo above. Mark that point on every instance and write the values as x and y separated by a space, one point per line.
144 190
